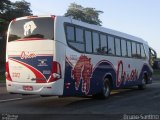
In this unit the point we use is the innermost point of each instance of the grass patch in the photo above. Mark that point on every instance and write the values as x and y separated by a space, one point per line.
2 77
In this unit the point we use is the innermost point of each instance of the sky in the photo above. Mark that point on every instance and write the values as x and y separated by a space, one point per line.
140 18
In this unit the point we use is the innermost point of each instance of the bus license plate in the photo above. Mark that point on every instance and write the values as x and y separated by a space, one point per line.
28 88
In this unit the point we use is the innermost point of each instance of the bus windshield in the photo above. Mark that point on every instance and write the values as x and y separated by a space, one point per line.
32 28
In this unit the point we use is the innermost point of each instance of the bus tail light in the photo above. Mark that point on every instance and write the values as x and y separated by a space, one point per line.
56 71
53 17
8 77
14 20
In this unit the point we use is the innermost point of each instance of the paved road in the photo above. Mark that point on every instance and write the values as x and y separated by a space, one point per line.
121 103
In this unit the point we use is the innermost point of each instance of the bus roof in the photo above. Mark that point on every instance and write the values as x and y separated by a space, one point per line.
91 26
102 29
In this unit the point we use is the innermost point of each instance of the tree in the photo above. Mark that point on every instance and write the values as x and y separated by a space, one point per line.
75 11
4 4
89 15
92 16
18 9
11 10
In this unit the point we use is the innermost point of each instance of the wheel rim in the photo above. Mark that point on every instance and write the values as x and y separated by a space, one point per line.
144 83
106 89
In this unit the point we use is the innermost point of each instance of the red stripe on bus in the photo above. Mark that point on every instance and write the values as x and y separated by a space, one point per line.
37 73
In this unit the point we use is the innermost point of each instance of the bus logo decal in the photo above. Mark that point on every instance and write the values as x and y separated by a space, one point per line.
42 62
82 71
29 27
123 76
27 55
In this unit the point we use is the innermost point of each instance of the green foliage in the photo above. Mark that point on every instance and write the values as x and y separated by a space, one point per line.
11 10
2 77
4 5
75 11
2 20
89 15
17 9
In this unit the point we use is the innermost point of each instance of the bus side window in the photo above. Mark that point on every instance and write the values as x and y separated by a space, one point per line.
124 48
77 46
103 41
111 50
79 35
129 50
138 51
70 33
78 43
142 52
134 53
118 46
96 45
88 40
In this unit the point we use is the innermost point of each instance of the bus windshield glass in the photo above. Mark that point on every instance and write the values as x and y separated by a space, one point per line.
32 28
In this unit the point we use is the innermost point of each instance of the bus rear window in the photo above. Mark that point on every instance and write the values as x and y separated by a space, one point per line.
32 28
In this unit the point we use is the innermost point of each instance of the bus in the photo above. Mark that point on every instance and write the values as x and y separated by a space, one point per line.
60 56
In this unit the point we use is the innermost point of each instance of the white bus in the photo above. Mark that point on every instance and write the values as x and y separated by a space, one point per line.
55 55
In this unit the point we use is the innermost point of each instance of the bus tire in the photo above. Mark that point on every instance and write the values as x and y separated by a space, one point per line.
46 95
144 82
106 90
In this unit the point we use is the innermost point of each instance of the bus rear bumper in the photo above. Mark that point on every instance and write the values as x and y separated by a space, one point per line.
54 88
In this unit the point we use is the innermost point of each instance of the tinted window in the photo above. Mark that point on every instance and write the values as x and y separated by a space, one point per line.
124 48
77 46
96 46
103 42
134 54
129 49
138 51
142 52
118 46
88 40
70 33
111 45
32 28
79 35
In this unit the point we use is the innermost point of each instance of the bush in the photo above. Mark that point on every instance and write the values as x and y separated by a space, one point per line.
2 77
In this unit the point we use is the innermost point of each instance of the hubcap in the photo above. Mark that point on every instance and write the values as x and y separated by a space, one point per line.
106 89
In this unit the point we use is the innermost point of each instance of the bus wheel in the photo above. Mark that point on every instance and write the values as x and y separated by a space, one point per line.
106 88
46 95
105 93
143 85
